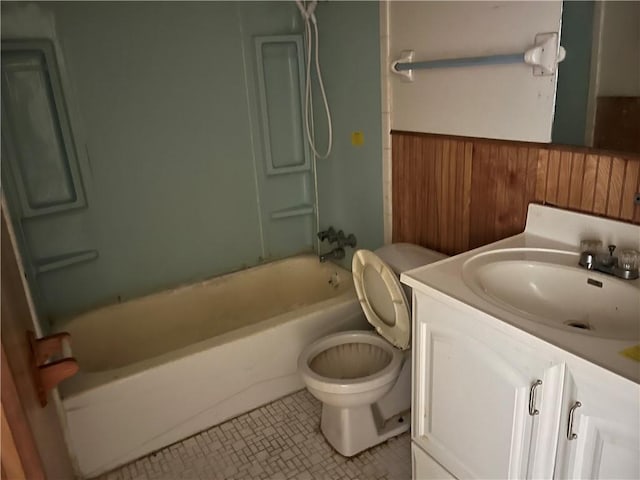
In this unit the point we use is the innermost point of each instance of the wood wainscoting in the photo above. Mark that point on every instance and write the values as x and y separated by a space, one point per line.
453 194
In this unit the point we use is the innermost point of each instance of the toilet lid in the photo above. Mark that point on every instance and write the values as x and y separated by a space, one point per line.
382 298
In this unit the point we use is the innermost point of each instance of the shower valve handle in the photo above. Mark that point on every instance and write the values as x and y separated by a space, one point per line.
329 234
347 241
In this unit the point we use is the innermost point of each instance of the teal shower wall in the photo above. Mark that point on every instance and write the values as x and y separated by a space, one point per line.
167 139
164 114
164 106
350 180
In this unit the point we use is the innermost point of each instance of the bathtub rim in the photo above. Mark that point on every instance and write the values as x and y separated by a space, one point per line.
58 323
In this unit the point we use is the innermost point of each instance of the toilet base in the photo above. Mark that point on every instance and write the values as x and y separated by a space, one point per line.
353 430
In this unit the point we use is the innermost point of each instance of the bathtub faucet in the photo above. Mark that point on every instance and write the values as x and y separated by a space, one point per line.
335 254
338 237
329 234
346 240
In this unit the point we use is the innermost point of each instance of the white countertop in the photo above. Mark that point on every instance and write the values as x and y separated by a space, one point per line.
443 280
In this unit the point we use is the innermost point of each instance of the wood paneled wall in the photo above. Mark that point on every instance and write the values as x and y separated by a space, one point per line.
617 124
453 194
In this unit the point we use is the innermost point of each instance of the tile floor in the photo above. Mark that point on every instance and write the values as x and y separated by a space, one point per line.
281 440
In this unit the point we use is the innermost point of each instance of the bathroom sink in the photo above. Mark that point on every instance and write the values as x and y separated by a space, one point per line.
548 287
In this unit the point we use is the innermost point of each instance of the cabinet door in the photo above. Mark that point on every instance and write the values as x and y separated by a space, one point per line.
603 440
472 385
424 467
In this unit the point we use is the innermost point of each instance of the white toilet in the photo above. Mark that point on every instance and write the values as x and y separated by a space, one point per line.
363 378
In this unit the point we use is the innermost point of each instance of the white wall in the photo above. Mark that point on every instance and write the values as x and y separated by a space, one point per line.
505 102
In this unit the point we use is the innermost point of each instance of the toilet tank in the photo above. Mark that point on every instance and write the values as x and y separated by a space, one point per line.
407 256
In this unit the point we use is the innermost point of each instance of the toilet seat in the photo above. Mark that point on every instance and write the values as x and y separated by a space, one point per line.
382 298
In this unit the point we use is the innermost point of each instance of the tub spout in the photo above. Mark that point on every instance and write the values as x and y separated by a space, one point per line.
335 254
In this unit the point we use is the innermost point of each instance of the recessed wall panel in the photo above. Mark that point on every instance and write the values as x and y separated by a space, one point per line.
281 86
41 155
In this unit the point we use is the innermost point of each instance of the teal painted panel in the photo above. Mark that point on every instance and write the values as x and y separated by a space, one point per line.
280 81
35 127
14 215
50 236
290 236
65 261
569 122
296 211
350 180
167 138
287 202
167 96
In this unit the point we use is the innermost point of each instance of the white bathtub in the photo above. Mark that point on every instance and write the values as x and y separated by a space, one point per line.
160 368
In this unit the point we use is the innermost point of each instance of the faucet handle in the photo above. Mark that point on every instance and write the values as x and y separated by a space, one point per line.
591 245
347 240
628 266
611 248
629 259
328 234
351 241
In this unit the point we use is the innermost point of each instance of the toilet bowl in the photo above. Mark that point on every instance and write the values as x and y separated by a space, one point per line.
350 368
363 378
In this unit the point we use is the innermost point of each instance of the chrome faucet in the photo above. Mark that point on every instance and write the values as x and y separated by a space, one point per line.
329 234
346 240
625 266
338 237
335 254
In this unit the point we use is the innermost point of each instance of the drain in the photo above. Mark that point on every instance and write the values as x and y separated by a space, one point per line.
578 324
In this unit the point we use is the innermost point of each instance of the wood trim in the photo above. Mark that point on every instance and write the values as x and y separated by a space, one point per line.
478 140
17 430
11 463
36 431
456 193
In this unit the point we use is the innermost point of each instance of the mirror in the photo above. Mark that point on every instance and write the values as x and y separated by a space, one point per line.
598 93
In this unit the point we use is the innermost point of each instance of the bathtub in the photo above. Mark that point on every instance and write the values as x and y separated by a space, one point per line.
163 367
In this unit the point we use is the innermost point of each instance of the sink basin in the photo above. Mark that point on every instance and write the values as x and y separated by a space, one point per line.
548 286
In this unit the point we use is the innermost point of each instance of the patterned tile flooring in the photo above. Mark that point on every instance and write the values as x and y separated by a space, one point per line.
281 440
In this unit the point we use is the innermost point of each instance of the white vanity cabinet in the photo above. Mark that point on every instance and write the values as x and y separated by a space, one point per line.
491 401
603 440
425 467
472 390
